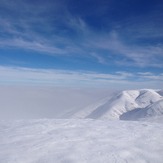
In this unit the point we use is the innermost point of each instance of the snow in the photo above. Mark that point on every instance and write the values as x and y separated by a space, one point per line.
125 127
80 141
126 105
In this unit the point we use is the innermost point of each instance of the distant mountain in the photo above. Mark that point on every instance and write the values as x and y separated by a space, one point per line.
126 105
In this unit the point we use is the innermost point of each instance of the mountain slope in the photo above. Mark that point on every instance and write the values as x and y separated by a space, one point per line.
130 104
155 109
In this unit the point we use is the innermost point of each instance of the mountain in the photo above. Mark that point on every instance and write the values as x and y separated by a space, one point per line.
87 140
126 105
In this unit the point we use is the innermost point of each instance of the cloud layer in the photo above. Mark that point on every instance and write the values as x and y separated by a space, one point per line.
118 80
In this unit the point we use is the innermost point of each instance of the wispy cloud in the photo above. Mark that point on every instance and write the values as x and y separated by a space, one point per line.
151 76
32 45
65 34
141 56
30 27
17 75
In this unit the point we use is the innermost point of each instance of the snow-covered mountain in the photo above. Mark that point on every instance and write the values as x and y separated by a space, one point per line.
87 140
126 105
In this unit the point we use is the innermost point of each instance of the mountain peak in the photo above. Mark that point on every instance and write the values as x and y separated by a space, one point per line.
127 102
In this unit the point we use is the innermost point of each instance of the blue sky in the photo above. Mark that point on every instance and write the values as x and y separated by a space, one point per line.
115 43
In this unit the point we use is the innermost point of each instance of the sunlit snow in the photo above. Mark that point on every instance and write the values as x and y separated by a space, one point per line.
120 127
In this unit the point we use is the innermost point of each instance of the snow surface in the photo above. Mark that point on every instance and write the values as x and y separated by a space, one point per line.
80 141
126 105
94 132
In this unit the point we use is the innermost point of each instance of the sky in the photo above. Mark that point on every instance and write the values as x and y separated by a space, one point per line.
99 43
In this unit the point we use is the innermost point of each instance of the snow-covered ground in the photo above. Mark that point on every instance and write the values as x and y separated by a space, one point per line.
80 141
126 105
91 126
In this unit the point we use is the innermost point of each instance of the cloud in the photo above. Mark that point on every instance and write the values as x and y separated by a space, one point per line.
48 28
51 29
31 45
118 80
142 56
144 73
151 76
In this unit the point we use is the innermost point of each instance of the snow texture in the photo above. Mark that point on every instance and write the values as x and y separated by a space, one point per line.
126 105
80 141
123 128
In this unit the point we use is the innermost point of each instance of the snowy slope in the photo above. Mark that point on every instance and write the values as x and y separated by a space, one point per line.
160 92
156 109
87 140
153 110
128 104
80 141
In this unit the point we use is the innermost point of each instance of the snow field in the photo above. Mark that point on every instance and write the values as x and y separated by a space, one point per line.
80 141
83 131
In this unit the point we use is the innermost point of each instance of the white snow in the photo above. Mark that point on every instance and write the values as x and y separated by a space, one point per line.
80 141
126 105
90 131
